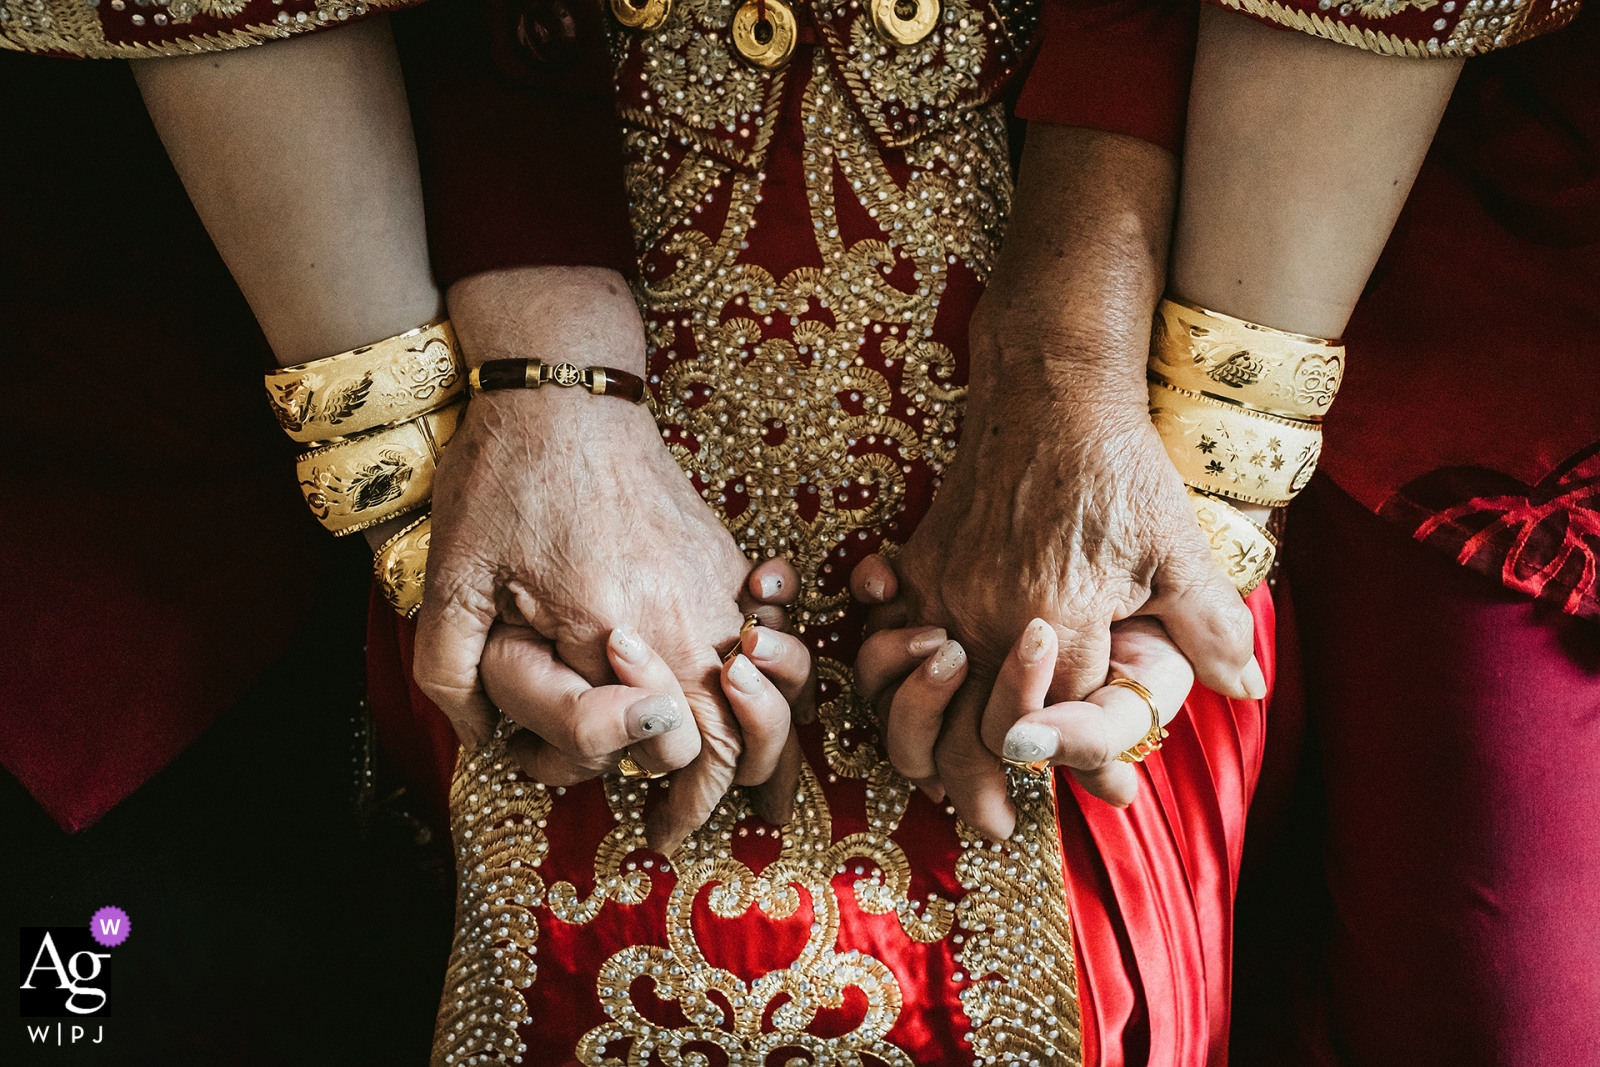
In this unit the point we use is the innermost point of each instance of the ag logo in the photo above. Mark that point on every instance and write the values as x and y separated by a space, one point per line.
64 973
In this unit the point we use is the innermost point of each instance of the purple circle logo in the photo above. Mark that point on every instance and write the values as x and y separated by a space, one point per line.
109 926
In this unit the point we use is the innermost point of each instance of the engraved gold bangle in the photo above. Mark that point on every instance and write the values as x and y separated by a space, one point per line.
362 481
378 385
1231 451
1239 362
1241 547
1153 737
401 565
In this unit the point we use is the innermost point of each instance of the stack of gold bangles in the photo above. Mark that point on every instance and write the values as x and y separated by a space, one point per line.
376 420
1239 408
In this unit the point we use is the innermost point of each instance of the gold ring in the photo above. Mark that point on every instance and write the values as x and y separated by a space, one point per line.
630 769
1038 768
750 623
1152 739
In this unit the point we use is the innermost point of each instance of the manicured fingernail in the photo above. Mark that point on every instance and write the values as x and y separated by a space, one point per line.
629 645
947 660
1254 682
654 715
767 645
771 586
744 676
874 587
926 642
1034 640
1030 741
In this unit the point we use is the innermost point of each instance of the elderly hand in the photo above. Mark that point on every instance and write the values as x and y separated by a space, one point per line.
1061 503
563 515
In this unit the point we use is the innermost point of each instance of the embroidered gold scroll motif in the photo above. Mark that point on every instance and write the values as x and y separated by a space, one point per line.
1010 930
768 412
765 397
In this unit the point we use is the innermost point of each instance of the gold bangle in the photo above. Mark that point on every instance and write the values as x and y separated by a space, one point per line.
362 481
379 385
1239 362
1241 548
1231 451
401 565
1151 741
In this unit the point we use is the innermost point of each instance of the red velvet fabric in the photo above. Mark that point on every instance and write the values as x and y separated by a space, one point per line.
1452 717
1122 67
154 554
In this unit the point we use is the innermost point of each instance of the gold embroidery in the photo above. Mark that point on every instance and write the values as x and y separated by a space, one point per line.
73 27
765 397
1482 26
1022 995
772 420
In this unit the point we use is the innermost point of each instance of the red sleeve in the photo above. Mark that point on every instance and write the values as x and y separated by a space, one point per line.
1122 67
517 134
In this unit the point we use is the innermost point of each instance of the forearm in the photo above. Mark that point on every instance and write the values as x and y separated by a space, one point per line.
299 158
1299 156
1081 270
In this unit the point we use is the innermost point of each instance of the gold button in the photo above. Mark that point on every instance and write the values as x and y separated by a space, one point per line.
641 14
904 21
763 32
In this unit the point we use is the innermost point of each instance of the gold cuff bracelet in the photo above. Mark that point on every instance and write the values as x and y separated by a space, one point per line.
1219 356
362 481
1232 451
401 564
1240 547
382 384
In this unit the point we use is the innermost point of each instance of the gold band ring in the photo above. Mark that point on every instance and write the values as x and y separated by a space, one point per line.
631 769
750 623
1038 768
1153 737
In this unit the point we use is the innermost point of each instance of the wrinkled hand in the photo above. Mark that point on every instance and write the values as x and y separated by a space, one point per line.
564 514
1067 512
576 731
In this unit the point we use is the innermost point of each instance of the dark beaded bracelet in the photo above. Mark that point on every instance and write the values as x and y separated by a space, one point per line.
532 374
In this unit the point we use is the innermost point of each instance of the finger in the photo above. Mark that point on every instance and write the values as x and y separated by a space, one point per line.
890 654
874 581
1209 622
1089 735
917 711
697 789
973 777
452 629
638 665
587 724
763 717
1083 656
1022 684
544 763
774 799
772 581
786 661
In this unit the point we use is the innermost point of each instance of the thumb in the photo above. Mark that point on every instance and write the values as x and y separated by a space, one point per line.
452 629
1210 624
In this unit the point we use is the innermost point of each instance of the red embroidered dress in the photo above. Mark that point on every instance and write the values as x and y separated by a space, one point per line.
811 244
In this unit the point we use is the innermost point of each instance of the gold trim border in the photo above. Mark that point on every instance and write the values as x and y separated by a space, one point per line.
1461 42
